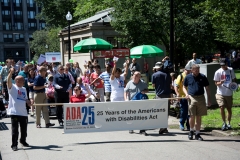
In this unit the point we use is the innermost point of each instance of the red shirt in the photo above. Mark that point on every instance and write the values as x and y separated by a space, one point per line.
78 99
98 83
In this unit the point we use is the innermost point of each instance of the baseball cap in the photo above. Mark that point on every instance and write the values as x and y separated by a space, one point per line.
222 62
187 67
158 65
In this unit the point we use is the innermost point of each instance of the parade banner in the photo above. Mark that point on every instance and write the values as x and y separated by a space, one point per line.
41 59
53 57
115 116
111 53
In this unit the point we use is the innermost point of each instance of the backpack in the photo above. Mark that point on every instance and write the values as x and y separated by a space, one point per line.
140 96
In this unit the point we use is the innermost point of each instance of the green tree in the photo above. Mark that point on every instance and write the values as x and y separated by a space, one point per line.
224 16
54 12
42 38
87 8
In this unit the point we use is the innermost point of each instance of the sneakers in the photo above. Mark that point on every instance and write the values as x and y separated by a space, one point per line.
25 144
229 127
198 137
131 132
224 127
32 114
163 130
14 148
190 135
49 125
38 126
142 132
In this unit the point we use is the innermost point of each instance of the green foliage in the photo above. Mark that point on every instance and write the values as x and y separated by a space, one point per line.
224 17
45 37
85 9
54 12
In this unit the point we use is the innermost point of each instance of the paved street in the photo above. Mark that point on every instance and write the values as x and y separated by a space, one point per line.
51 144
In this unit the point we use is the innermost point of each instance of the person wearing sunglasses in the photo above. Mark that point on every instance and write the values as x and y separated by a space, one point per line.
79 96
62 85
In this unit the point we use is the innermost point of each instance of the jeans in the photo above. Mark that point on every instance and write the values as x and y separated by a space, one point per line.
23 121
184 113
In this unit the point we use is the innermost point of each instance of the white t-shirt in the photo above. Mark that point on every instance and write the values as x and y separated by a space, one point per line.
117 86
17 101
227 75
192 61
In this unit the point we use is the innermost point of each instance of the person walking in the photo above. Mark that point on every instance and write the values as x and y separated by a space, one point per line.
195 60
193 88
40 98
222 78
117 80
97 82
162 82
62 85
105 76
3 74
30 81
183 102
17 109
134 66
24 73
134 87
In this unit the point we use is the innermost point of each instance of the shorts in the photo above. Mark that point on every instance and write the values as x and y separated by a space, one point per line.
31 95
197 106
224 101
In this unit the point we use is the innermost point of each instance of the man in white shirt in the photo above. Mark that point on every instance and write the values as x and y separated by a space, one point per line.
223 77
194 61
17 109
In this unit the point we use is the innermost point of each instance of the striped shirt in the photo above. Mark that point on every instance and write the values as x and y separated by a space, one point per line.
105 76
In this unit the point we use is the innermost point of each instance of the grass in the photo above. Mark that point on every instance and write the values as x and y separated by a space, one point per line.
213 120
236 95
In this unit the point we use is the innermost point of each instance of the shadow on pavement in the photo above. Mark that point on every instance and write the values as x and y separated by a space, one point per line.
49 147
222 140
147 141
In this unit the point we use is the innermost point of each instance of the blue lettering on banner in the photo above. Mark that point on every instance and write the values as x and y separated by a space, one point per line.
88 115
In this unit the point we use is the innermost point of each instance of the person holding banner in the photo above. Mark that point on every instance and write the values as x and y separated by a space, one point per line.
223 77
62 85
161 81
134 87
17 110
40 97
117 82
193 87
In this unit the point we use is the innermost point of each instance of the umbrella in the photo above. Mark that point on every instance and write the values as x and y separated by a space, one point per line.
89 44
145 51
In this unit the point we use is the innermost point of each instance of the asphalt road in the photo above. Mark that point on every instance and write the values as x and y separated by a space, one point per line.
51 144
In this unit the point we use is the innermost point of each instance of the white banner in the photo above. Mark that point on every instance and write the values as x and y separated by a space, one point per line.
115 116
41 59
53 57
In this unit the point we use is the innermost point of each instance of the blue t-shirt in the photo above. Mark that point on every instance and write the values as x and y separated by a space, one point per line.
31 80
196 84
162 82
39 81
106 78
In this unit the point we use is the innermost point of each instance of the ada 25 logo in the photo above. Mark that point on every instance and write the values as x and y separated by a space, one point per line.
86 113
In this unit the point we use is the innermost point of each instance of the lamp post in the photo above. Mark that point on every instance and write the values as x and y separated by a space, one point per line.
69 18
46 46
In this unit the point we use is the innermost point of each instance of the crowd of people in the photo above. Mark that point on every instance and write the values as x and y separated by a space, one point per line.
55 83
